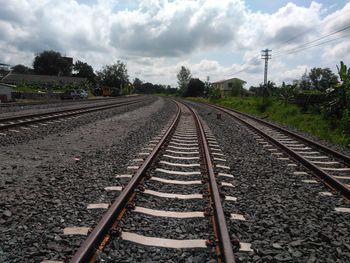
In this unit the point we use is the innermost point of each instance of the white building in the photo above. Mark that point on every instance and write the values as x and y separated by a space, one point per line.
230 87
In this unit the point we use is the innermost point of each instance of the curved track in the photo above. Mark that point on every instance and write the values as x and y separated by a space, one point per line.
330 166
185 150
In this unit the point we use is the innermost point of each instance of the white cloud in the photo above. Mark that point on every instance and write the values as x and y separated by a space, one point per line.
176 28
340 50
290 74
158 36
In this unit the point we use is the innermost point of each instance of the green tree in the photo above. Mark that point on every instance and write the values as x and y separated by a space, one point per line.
137 84
183 79
115 76
51 63
256 90
84 70
337 107
344 87
339 96
21 69
305 83
147 88
214 93
271 88
207 87
322 79
236 86
288 92
127 89
195 88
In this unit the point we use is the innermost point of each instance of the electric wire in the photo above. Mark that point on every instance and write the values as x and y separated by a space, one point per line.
304 46
314 40
296 50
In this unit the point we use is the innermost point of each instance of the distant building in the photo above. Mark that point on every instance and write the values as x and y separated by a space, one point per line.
41 80
5 92
230 87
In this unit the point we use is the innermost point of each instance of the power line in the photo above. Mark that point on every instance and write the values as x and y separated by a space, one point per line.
316 40
250 60
295 36
310 44
296 50
314 28
256 59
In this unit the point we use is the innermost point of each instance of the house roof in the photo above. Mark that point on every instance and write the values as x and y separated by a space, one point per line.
228 80
40 79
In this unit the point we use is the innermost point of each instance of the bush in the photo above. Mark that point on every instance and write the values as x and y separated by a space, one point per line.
344 123
336 131
264 104
214 94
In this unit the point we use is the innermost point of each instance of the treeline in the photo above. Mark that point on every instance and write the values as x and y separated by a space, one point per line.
52 63
317 81
114 76
319 91
149 88
187 86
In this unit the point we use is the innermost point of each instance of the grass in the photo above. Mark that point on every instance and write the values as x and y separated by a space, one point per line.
24 88
286 114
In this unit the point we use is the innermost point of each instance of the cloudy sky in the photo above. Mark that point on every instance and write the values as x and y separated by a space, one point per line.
216 38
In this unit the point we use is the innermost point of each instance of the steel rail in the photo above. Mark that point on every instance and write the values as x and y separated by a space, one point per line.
19 117
325 149
223 234
54 101
91 244
65 113
326 177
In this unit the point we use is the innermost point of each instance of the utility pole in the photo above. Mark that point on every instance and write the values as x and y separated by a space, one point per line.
206 87
266 56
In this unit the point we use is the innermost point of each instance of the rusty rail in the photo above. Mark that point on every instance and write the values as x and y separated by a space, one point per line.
91 244
326 177
325 149
66 113
220 222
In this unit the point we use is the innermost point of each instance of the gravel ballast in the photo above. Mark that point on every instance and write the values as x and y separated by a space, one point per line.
48 181
119 250
16 110
49 175
42 129
287 219
340 148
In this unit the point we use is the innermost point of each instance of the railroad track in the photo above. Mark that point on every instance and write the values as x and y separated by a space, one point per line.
58 102
332 167
172 200
27 121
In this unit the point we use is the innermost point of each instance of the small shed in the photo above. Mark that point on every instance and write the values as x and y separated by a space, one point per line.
6 92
